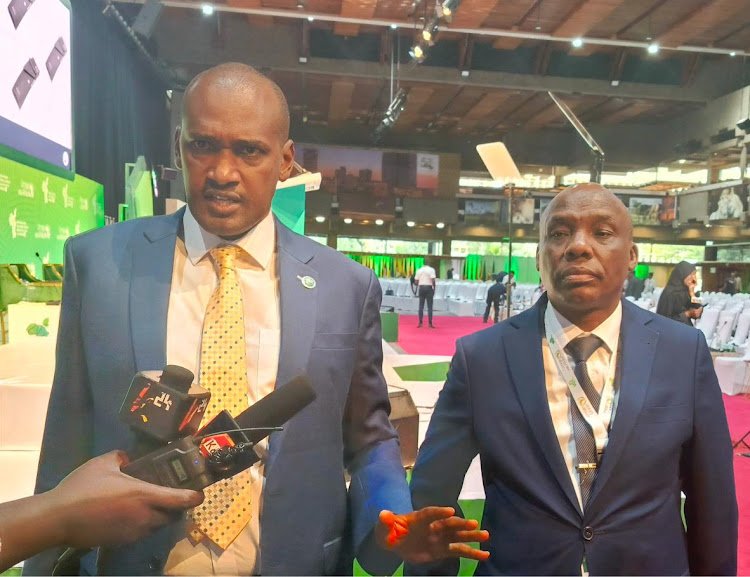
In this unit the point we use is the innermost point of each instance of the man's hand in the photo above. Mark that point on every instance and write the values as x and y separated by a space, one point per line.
97 504
430 534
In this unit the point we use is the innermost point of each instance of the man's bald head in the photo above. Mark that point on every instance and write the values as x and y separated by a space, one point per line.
240 80
590 194
585 252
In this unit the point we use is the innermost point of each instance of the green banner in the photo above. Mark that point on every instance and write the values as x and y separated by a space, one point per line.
39 211
289 207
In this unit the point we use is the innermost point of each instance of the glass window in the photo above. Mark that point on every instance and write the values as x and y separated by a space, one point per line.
320 239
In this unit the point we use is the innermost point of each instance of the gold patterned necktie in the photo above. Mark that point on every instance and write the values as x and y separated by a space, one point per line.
226 509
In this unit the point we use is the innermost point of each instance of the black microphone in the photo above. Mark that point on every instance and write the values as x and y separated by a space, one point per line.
41 260
277 408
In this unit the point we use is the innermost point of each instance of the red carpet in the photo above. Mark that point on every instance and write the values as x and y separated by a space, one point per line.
442 341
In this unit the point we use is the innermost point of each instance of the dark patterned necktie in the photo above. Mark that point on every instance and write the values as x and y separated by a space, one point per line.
586 456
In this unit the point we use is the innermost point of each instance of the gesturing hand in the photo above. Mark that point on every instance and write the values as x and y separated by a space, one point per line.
430 534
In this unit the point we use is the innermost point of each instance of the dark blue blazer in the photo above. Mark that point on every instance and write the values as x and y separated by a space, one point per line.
113 324
669 434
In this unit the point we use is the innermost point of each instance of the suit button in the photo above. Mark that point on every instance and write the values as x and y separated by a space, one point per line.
588 533
155 563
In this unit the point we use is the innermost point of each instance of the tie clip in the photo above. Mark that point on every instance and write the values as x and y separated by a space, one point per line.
586 466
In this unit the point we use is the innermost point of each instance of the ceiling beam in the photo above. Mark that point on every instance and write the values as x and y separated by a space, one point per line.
341 100
703 19
253 19
364 9
485 108
544 117
415 100
542 58
471 14
690 68
585 16
641 17
627 112
618 65
518 18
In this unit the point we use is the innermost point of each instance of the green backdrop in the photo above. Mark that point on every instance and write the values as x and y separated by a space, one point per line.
39 211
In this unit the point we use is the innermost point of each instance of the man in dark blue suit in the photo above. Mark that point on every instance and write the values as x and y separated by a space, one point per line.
136 297
590 417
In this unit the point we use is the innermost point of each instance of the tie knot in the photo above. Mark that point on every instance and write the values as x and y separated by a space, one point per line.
583 347
225 256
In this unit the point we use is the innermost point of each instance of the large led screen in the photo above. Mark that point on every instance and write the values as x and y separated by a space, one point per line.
36 119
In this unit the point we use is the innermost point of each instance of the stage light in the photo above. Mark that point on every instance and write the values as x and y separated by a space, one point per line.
320 218
653 48
379 222
449 7
207 9
440 225
577 42
347 221
410 224
430 32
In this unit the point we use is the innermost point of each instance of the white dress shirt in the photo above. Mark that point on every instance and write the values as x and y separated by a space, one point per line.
194 278
557 389
425 276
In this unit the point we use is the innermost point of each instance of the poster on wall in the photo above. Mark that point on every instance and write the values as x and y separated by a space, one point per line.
645 211
523 210
668 209
39 211
727 203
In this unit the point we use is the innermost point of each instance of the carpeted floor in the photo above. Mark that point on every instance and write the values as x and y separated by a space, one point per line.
442 341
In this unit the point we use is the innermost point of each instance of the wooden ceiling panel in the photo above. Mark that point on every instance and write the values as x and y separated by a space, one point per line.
485 109
704 19
340 101
364 97
323 6
464 101
254 20
585 16
534 104
472 13
625 15
415 101
354 9
440 99
664 17
630 112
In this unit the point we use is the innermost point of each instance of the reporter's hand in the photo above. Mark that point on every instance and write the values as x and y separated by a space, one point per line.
97 504
430 534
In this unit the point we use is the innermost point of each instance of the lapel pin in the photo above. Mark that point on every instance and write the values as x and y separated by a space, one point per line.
307 281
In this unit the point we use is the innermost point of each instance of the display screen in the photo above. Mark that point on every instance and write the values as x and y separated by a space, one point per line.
36 118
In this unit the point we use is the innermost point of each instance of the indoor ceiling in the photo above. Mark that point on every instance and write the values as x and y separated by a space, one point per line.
492 77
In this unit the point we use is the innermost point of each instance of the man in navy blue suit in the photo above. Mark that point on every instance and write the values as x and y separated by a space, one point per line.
590 416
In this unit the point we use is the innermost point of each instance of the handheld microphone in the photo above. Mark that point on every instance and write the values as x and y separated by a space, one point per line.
161 406
222 451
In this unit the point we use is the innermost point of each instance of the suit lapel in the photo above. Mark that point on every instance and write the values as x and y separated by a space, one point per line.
638 350
528 378
298 306
150 284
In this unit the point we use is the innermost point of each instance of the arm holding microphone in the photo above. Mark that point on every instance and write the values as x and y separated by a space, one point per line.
95 505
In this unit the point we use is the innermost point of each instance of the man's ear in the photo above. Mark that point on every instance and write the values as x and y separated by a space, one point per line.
633 257
287 160
177 152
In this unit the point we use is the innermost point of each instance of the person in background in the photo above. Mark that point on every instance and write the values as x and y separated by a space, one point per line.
649 284
590 415
538 292
676 301
495 298
97 504
635 287
449 274
729 284
510 280
425 280
737 282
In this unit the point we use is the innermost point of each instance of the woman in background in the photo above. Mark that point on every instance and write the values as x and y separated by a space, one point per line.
676 302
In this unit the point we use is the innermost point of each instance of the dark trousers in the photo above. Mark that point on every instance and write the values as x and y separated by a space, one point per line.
425 294
496 304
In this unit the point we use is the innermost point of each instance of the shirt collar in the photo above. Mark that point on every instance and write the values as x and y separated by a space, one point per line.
608 331
258 242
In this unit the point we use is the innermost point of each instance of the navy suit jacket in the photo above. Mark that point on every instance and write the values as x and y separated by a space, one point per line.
669 434
113 324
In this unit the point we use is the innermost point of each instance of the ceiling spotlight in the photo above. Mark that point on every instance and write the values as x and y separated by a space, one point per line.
207 9
347 221
449 7
537 27
417 53
310 19
464 73
682 161
394 26
653 48
379 222
440 225
410 224
320 219
732 54
577 42
430 31
300 6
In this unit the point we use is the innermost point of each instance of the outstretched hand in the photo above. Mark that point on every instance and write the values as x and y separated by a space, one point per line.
429 535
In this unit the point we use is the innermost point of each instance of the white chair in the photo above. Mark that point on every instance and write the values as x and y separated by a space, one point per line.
708 321
743 329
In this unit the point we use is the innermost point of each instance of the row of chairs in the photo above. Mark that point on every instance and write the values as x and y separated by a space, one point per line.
460 298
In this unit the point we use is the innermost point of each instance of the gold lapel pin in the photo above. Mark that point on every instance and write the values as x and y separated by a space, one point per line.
307 281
